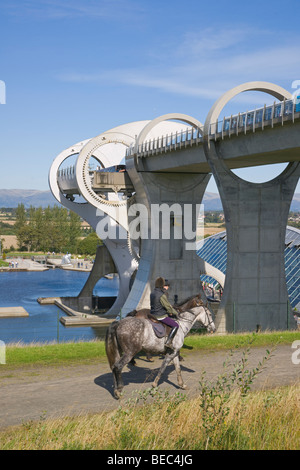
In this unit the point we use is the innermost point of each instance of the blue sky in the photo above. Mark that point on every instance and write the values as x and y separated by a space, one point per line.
74 69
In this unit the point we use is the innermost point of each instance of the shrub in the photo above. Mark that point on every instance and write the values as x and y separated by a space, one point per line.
88 246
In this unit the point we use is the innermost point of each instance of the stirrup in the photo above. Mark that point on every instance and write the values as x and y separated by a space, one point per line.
168 343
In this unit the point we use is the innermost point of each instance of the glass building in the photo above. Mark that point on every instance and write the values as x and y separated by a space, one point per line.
214 251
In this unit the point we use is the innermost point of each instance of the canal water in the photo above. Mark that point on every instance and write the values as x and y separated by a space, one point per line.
22 289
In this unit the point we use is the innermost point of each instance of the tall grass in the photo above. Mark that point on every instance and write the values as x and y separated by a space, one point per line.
262 420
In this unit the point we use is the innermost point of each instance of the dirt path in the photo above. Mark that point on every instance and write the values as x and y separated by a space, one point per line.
32 393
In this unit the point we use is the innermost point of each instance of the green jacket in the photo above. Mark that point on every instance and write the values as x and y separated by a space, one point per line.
166 304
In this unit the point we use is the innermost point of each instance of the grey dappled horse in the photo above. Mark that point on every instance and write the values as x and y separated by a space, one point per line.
124 339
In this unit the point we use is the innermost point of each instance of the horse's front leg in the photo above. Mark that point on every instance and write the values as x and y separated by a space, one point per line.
168 358
178 372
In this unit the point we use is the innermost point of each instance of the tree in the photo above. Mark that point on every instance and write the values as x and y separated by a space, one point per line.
25 238
37 228
88 246
73 232
60 230
50 229
20 226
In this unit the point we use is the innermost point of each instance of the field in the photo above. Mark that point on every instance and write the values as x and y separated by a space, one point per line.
8 241
213 228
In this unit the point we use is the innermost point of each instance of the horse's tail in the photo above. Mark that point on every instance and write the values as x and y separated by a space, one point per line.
111 344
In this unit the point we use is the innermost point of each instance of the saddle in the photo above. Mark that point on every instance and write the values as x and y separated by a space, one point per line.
159 328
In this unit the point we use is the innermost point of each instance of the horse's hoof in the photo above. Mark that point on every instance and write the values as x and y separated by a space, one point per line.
154 385
118 394
184 387
132 362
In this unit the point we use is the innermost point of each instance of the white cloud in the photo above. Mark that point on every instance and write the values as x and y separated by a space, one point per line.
210 40
64 9
207 64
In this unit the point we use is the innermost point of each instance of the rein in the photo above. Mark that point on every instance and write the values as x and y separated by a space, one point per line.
209 322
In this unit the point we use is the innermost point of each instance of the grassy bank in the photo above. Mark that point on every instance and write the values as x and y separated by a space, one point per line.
81 352
54 354
230 341
266 420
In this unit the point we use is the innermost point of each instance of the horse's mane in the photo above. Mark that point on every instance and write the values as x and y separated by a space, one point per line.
132 313
179 304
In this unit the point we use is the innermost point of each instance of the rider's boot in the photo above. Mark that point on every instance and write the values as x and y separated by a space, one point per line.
172 333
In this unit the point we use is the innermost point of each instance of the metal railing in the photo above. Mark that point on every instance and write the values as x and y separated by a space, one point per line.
67 173
258 117
244 122
168 142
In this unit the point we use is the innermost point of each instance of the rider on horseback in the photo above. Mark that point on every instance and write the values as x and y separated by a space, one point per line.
160 306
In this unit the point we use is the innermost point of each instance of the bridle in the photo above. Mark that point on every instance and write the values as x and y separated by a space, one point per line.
209 321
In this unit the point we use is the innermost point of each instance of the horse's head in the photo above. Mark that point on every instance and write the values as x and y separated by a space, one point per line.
205 317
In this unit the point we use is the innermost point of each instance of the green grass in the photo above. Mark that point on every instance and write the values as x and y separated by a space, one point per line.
230 341
24 254
81 352
55 354
3 263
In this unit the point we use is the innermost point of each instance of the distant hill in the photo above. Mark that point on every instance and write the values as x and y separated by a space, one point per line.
212 202
36 198
28 197
295 206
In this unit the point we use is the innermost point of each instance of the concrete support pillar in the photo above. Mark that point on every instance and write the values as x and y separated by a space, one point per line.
255 291
103 265
172 258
